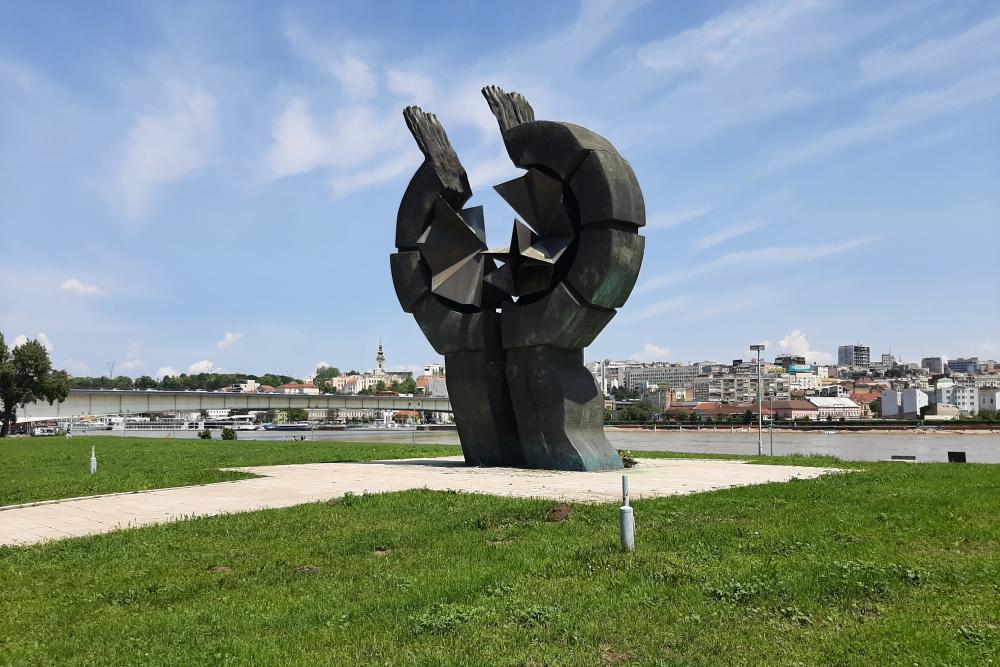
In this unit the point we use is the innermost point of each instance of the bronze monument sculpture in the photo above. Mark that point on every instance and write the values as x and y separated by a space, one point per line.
513 333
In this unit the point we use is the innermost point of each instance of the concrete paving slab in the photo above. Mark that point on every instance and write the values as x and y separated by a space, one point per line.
288 485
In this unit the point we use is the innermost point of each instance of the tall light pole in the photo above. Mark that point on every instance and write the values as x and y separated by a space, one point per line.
760 402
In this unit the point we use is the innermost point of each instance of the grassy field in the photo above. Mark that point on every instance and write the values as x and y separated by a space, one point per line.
894 564
34 469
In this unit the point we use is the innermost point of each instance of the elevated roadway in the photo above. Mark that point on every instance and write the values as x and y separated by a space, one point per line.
100 402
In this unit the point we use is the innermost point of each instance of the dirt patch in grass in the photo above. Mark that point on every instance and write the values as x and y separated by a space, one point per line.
559 513
307 569
220 569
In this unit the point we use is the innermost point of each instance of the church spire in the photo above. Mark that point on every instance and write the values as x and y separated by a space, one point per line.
380 360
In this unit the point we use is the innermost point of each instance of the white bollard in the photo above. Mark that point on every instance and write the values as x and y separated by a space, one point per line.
93 461
626 519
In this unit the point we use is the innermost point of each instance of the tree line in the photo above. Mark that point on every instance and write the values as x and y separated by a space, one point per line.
206 381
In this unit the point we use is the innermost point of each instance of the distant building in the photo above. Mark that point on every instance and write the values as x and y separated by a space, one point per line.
299 388
638 376
794 410
970 366
865 399
854 356
913 402
966 399
828 407
739 388
891 403
787 360
887 360
989 400
935 365
243 387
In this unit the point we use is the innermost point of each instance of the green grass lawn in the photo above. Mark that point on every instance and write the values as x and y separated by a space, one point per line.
892 564
34 469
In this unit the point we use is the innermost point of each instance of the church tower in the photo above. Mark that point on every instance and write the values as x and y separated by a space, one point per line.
380 360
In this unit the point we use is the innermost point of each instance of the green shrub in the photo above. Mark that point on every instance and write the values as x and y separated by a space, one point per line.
228 433
205 435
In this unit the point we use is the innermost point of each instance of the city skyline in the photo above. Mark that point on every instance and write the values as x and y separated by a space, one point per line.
217 187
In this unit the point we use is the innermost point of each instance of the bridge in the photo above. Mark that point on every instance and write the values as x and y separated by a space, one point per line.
98 402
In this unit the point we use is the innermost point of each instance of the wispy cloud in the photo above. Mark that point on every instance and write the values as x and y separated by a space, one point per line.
977 46
664 307
75 286
726 234
728 39
133 360
415 87
343 185
772 256
727 303
336 58
677 216
163 147
889 118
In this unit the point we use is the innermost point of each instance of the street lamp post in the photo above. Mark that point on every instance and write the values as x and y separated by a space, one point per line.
760 402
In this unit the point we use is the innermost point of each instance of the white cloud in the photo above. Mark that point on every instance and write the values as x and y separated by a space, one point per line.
228 340
772 256
296 145
350 137
163 147
167 371
415 87
797 344
343 185
40 337
651 352
75 286
726 234
355 76
204 366
674 217
350 70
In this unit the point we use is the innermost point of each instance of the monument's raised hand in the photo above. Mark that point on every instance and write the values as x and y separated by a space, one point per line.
513 336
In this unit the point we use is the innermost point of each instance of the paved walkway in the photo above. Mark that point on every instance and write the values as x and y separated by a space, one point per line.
287 485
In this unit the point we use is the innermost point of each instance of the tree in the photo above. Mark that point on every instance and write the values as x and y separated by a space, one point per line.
146 382
638 412
122 382
876 408
407 386
296 415
323 376
26 376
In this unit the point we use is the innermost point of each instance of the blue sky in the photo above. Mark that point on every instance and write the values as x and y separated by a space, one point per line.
215 184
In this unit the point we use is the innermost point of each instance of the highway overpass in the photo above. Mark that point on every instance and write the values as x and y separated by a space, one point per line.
97 402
